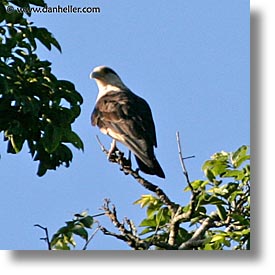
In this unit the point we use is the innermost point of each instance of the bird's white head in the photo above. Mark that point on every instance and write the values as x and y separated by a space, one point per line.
107 80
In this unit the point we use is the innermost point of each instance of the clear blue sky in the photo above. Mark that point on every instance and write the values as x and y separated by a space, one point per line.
188 59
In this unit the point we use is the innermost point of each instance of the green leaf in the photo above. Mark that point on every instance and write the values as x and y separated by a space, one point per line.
80 231
221 212
183 235
63 230
151 210
239 154
234 194
207 199
240 161
218 238
21 3
2 12
160 218
42 169
221 190
200 211
87 221
148 222
148 200
196 184
240 218
59 244
64 154
217 166
14 17
52 137
16 144
237 174
40 3
209 174
45 37
147 230
29 35
74 139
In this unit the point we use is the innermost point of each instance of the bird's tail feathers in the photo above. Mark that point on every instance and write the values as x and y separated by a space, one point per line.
146 161
154 169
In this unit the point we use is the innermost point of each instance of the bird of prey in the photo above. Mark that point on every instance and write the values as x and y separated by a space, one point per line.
126 118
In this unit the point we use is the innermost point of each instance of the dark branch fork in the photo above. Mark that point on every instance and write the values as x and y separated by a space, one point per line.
46 239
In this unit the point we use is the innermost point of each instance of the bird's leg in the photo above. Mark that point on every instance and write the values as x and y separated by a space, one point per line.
126 163
111 154
129 160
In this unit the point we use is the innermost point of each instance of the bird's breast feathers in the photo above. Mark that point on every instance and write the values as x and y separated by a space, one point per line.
105 89
108 131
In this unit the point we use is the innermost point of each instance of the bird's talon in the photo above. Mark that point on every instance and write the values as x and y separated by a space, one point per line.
112 157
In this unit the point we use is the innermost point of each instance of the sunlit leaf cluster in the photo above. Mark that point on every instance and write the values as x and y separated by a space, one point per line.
223 197
64 238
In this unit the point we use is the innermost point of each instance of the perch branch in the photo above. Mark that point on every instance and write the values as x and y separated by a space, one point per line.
125 166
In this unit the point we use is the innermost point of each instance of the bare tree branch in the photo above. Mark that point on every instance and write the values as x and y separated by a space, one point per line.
127 235
46 239
182 161
178 215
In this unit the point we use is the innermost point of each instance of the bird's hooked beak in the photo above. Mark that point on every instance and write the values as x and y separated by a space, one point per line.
95 75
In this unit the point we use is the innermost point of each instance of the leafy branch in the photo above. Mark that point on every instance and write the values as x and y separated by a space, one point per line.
165 218
64 238
36 108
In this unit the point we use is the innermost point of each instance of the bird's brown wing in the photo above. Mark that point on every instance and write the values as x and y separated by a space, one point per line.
127 118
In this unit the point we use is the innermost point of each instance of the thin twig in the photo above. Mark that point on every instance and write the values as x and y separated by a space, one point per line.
187 215
182 161
97 215
190 157
89 240
101 145
46 239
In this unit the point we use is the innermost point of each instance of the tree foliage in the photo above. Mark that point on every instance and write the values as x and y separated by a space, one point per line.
36 108
217 217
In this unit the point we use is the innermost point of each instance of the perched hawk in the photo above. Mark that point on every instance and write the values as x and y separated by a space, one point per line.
126 118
